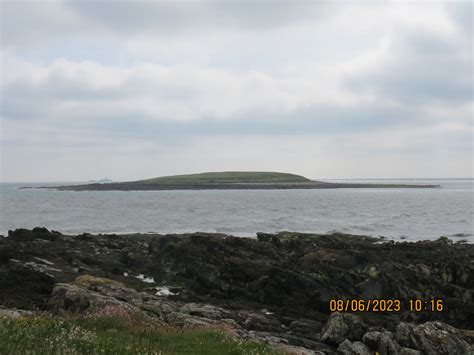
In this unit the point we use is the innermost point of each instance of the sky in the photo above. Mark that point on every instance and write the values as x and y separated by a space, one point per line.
138 89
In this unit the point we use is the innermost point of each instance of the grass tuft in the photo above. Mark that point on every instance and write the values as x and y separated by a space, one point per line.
115 335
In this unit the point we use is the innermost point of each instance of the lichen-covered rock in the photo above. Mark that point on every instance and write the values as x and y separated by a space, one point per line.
74 299
14 313
94 296
371 339
405 335
348 347
206 311
432 338
387 346
342 326
382 342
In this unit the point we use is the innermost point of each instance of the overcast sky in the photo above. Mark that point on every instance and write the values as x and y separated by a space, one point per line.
132 90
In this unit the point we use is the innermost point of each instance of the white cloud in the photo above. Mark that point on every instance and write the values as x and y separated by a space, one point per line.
205 78
68 90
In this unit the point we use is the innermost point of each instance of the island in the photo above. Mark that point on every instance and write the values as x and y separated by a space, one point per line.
230 180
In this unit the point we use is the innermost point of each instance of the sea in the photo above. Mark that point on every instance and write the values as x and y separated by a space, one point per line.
398 214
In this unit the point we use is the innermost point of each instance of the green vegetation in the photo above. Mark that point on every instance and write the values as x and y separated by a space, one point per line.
225 177
113 335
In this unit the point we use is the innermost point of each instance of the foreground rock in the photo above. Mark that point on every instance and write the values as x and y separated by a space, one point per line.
275 288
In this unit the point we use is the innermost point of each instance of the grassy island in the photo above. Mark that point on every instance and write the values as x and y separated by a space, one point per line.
225 177
229 180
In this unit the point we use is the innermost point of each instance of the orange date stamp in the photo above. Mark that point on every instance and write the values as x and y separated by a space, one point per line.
385 305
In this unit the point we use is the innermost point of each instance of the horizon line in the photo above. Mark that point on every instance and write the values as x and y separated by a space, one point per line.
312 179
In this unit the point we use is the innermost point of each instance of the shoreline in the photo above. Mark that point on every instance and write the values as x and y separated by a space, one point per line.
276 286
231 186
457 238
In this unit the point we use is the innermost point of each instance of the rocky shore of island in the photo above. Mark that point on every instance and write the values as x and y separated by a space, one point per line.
275 288
229 180
311 185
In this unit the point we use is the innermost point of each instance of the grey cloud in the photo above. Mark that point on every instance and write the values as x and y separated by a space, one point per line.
32 22
267 14
316 120
25 100
132 17
70 101
191 16
28 101
462 15
235 94
422 68
29 22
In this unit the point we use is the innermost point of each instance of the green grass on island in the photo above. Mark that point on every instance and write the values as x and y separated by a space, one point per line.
113 335
225 177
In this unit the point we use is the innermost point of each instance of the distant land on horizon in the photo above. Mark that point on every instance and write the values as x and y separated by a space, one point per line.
100 181
229 180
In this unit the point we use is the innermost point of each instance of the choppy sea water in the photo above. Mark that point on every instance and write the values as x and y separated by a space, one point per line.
410 214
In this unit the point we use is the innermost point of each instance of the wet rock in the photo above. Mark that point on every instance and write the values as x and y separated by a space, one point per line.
24 235
6 252
25 285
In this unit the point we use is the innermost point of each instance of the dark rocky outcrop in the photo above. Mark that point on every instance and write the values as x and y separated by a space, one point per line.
124 186
274 288
230 180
